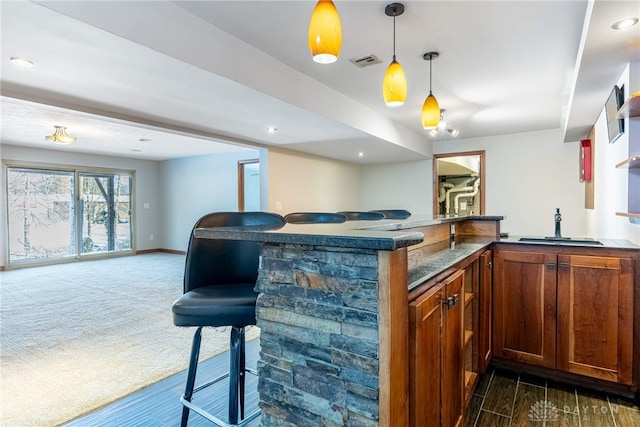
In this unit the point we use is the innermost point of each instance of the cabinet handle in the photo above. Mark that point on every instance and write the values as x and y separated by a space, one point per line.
564 266
490 265
451 301
550 265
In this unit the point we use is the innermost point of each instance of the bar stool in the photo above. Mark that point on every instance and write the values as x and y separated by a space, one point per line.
394 213
314 218
219 281
356 215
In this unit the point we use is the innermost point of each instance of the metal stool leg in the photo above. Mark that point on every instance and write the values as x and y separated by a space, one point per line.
191 375
242 372
234 371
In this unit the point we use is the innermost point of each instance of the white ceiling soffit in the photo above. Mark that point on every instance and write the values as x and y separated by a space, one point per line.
226 70
97 134
191 88
602 57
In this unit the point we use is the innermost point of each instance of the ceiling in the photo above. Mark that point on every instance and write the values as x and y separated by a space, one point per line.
159 80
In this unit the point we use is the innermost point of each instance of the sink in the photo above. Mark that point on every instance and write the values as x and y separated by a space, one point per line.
560 240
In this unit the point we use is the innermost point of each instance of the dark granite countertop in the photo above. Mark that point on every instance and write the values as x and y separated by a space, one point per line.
575 242
385 234
435 264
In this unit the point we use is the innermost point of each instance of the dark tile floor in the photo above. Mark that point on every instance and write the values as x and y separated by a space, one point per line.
502 398
505 398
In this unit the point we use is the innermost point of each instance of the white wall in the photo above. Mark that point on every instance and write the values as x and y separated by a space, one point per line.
611 185
528 175
194 186
147 189
300 182
407 185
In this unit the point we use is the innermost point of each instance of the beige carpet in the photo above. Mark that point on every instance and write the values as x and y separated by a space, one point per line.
78 336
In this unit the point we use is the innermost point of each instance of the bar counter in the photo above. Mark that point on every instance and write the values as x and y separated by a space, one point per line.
333 312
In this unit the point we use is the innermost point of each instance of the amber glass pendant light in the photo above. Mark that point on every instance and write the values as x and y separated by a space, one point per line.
430 109
394 86
325 33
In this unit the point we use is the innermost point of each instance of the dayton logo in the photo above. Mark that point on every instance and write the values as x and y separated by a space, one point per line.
543 411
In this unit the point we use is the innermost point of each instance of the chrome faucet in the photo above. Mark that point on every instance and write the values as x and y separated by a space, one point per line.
558 218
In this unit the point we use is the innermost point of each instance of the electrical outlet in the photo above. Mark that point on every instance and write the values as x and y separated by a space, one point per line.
150 236
278 206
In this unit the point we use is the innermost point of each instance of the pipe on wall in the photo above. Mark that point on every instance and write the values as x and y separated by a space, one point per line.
456 199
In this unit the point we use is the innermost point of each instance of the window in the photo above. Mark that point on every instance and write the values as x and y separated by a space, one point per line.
57 214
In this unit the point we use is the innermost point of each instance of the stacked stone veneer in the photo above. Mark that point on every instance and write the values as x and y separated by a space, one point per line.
318 317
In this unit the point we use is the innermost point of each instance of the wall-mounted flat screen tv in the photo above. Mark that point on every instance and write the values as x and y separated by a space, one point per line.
615 126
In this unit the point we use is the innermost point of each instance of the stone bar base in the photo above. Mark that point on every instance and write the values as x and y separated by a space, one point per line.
318 317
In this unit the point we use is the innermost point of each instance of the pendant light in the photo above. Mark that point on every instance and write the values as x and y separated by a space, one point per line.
394 86
60 136
430 109
325 33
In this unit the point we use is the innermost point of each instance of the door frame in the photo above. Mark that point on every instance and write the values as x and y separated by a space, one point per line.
241 195
436 157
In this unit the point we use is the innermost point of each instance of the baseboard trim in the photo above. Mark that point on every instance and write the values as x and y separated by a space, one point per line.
168 251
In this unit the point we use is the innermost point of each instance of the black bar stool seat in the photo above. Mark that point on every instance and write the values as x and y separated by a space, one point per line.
219 281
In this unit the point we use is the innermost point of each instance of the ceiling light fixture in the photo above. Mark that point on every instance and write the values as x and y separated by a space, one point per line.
60 136
272 129
443 126
325 33
625 23
21 62
394 86
430 109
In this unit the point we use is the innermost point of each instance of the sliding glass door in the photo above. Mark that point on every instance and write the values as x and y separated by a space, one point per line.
57 214
105 209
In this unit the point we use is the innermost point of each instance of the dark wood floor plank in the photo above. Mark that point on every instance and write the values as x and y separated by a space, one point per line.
565 419
473 410
483 382
501 392
488 419
563 396
530 406
625 416
594 409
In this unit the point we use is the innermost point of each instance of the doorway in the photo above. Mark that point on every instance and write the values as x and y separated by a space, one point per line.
458 184
249 185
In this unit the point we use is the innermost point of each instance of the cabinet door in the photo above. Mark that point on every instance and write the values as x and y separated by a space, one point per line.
453 377
485 330
525 307
425 328
595 316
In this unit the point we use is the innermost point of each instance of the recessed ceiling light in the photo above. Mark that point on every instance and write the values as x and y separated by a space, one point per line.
144 140
625 23
136 150
21 62
272 129
360 154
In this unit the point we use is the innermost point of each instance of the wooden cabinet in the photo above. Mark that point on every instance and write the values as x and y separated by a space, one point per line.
453 333
485 308
525 307
566 311
595 317
436 340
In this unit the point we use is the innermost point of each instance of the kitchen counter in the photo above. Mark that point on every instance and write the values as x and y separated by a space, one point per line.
450 253
385 234
606 243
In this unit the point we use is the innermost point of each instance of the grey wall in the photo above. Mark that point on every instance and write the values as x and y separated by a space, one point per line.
194 186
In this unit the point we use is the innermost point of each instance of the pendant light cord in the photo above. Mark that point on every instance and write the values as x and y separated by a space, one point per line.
394 37
430 74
